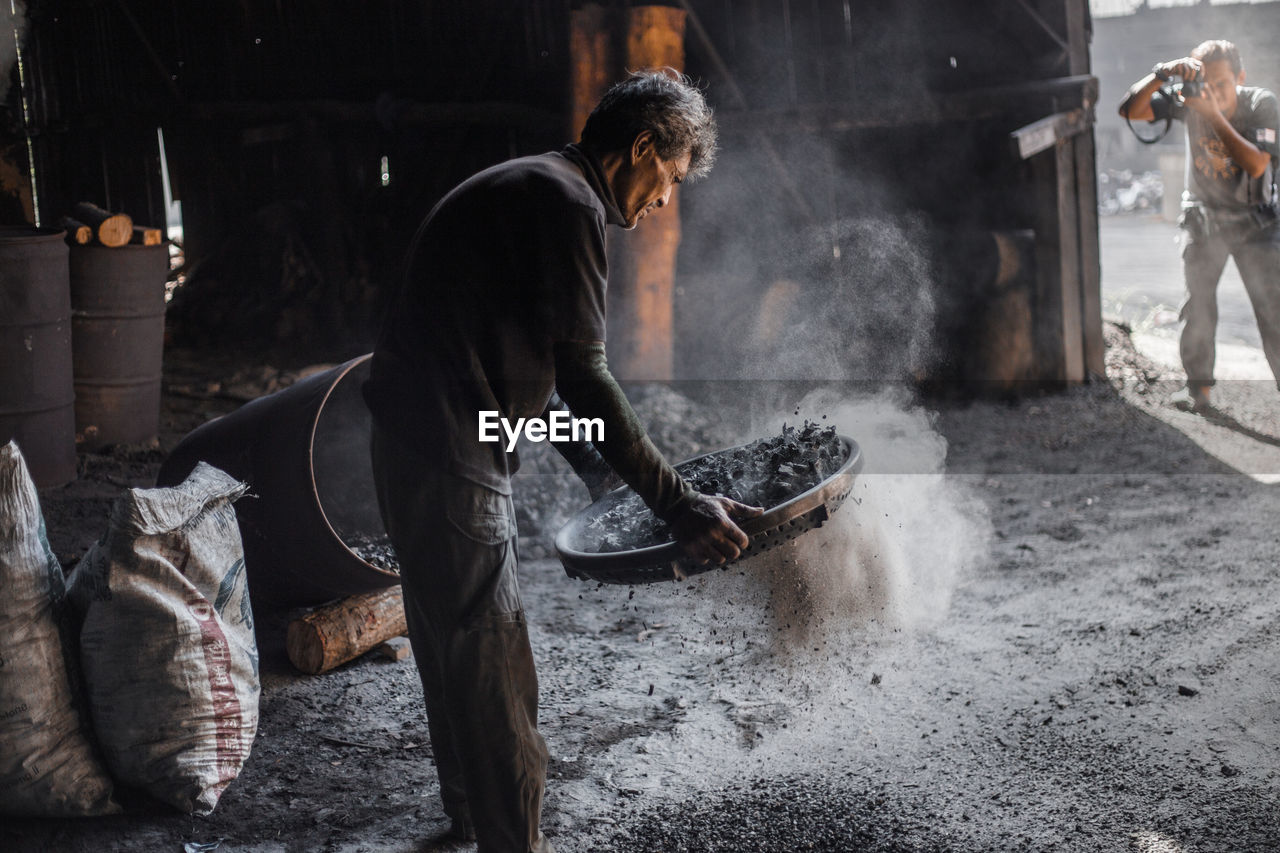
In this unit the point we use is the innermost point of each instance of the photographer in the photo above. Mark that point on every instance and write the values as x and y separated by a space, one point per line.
1229 205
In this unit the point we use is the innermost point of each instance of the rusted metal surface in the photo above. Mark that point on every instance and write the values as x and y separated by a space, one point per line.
642 262
117 333
35 352
305 453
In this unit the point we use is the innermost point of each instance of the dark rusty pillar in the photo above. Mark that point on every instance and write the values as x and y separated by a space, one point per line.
642 262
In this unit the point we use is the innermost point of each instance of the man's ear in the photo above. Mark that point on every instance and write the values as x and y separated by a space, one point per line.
641 146
1240 78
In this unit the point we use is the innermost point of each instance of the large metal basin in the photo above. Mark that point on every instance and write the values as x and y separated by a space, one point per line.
778 525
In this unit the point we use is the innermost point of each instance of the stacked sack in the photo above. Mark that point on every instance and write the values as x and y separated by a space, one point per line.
48 765
166 645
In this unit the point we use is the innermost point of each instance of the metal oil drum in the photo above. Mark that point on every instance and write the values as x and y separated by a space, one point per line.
117 337
304 451
35 352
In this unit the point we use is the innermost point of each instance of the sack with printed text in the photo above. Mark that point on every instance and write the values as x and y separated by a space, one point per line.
167 645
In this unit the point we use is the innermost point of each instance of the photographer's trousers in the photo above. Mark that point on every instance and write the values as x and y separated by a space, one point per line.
1256 252
455 541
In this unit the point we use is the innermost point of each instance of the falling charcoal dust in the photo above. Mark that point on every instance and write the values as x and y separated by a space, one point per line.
765 473
377 551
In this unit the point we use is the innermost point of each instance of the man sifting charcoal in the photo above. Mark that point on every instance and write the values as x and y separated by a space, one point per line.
1229 207
502 302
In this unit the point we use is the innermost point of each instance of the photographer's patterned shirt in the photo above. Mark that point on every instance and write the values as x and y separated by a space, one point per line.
1213 178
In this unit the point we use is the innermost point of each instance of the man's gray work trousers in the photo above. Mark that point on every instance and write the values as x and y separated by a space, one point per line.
1257 255
456 544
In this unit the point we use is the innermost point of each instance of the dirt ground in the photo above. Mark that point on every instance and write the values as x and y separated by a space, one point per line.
1049 623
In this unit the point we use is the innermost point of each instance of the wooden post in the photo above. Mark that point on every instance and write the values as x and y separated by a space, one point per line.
642 262
1069 299
592 56
642 293
1059 337
1090 257
1079 25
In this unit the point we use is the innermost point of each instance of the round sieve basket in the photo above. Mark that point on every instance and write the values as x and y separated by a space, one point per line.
779 524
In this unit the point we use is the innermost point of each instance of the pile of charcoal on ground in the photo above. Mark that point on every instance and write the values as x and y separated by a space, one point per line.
765 473
784 814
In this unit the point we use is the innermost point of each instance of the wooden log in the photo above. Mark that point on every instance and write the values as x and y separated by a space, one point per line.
395 649
77 231
330 636
147 236
111 229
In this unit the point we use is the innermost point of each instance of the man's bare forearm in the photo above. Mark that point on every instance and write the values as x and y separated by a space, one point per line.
1137 104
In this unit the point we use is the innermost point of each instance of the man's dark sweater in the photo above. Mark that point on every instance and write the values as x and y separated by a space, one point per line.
503 300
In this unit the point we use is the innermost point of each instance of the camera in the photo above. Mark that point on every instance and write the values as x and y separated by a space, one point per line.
1192 88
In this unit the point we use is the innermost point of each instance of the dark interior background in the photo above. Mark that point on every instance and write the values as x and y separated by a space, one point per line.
875 130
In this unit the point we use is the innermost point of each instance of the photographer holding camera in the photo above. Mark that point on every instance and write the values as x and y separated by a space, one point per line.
1229 205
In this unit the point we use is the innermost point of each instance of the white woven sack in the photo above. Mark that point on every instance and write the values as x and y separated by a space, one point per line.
47 763
167 643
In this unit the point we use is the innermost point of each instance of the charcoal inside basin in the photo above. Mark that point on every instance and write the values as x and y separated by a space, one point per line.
800 477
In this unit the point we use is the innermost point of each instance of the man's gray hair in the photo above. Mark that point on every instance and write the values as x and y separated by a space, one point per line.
663 102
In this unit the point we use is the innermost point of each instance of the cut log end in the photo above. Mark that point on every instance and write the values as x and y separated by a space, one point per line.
147 236
77 232
116 230
111 229
306 647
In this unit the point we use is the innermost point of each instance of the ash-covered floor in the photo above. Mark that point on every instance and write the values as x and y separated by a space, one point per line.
1048 624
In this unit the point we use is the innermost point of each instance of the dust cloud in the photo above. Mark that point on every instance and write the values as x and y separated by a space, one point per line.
890 557
780 658
844 319
886 562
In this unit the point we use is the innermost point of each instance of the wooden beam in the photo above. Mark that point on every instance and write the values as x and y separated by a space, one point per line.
1079 35
1044 25
1058 303
1037 96
162 71
1090 258
399 112
1033 138
776 163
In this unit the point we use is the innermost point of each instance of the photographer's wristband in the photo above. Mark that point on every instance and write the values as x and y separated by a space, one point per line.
1159 73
